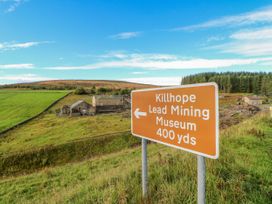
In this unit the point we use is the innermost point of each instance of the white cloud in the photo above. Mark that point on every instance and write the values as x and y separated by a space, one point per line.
250 42
125 35
16 66
247 48
138 73
162 62
14 46
263 16
23 78
161 81
12 5
253 34
268 63
215 38
151 56
113 54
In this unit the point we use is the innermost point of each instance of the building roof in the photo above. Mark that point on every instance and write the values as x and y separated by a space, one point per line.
254 97
108 96
78 103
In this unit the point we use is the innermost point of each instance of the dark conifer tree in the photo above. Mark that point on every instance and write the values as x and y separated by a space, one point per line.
236 82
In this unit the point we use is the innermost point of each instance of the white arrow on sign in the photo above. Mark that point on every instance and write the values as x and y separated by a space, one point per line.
138 113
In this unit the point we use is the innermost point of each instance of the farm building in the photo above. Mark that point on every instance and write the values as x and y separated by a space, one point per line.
65 110
110 103
100 104
253 100
81 108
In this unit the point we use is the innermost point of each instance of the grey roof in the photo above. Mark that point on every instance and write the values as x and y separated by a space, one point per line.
108 96
77 103
254 98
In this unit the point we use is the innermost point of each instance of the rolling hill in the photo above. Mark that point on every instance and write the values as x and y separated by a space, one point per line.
70 84
49 140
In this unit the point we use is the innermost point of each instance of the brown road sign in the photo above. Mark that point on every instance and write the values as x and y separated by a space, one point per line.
184 117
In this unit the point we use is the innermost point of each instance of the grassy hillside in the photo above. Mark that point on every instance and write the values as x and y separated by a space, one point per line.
49 129
17 106
50 140
52 130
82 83
242 174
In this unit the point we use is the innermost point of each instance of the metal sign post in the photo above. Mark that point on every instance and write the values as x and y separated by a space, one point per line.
144 167
201 179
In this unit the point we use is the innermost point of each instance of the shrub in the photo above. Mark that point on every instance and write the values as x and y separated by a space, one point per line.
103 90
93 90
80 91
125 92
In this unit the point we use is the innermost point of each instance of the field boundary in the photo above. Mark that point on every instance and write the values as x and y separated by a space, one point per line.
33 117
75 151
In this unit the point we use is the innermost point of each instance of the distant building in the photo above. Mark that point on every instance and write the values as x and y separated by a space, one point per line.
65 110
253 100
100 104
110 103
80 108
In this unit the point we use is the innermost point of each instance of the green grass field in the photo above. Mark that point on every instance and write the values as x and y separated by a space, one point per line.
242 174
108 169
49 129
52 130
19 105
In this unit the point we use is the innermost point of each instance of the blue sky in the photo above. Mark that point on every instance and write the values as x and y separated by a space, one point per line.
141 41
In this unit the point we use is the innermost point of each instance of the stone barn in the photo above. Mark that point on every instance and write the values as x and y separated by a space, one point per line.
65 110
253 100
110 103
80 108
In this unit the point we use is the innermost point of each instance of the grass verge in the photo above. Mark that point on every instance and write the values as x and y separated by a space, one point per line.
242 174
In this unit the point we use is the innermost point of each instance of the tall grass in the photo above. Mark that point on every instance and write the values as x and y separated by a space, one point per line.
29 161
242 174
50 130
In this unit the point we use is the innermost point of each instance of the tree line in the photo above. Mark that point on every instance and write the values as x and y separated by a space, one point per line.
77 90
259 83
101 91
